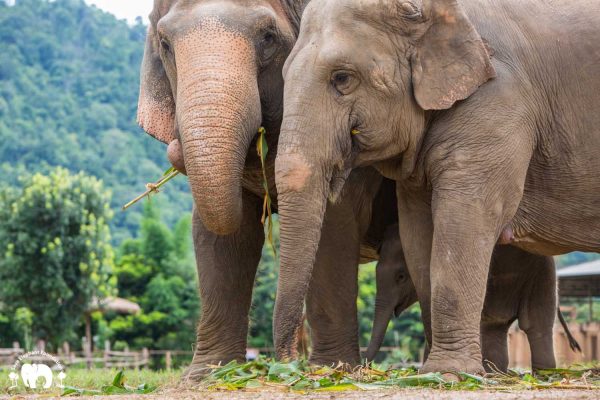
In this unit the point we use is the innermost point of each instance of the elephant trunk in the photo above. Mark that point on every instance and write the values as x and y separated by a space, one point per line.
218 114
303 183
383 314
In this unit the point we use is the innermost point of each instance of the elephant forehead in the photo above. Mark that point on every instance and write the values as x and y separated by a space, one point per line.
211 34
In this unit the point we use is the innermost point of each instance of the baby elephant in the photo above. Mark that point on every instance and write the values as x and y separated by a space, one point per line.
520 286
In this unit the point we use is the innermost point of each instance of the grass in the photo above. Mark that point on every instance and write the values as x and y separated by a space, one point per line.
298 376
100 381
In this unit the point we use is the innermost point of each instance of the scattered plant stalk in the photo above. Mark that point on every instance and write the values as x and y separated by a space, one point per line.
154 187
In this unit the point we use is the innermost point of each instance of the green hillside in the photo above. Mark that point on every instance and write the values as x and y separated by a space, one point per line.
69 77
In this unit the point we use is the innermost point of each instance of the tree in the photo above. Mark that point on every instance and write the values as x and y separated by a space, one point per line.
158 272
69 81
56 251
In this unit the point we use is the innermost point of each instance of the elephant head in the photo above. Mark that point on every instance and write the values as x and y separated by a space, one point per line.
207 85
30 373
361 84
395 290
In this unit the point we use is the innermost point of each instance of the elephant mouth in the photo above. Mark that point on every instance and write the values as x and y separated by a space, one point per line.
398 310
336 184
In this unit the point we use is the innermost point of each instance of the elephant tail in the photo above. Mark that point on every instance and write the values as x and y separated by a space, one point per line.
572 341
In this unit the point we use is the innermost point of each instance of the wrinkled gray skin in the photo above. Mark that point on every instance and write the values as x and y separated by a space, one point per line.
211 76
520 286
486 114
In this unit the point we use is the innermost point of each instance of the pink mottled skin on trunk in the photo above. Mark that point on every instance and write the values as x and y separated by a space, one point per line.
218 114
292 172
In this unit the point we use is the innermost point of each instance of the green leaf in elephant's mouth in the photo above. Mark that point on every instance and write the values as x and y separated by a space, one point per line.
262 148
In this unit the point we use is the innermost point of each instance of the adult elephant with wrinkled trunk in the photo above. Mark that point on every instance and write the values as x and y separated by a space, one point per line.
484 112
211 76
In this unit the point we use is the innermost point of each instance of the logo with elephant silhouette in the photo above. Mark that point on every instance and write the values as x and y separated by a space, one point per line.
37 370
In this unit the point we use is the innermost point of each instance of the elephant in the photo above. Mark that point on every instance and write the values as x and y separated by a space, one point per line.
210 77
30 373
485 114
521 286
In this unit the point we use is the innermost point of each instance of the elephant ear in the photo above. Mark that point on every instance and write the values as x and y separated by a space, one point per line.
156 107
450 61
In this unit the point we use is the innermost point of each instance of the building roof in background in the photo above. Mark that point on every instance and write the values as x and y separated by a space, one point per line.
580 280
116 304
585 269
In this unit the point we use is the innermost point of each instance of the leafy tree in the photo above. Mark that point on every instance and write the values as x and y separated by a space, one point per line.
56 251
69 81
157 271
23 322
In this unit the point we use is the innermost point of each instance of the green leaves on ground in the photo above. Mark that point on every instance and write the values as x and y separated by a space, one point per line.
299 376
117 386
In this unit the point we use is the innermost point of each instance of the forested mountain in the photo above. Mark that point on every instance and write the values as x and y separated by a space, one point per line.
69 76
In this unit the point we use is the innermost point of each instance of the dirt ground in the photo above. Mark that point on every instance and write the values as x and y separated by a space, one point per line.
394 394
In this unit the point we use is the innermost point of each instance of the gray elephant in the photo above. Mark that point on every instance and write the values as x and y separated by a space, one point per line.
211 76
484 112
520 286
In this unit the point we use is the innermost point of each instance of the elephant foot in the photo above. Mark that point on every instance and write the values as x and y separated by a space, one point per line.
452 364
194 373
201 368
349 361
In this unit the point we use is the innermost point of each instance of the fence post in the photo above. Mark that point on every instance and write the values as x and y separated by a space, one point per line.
145 357
66 349
87 352
16 352
106 353
168 360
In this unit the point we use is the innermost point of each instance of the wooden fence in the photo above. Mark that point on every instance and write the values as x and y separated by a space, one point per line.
588 336
106 358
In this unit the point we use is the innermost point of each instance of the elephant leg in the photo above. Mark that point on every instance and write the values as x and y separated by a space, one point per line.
458 274
494 347
416 231
226 271
331 298
538 313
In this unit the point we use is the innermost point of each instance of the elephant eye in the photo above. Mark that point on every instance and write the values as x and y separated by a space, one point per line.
344 82
268 46
400 277
341 78
268 39
165 46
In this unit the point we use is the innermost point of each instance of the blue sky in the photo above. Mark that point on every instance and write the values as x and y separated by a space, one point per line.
125 9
